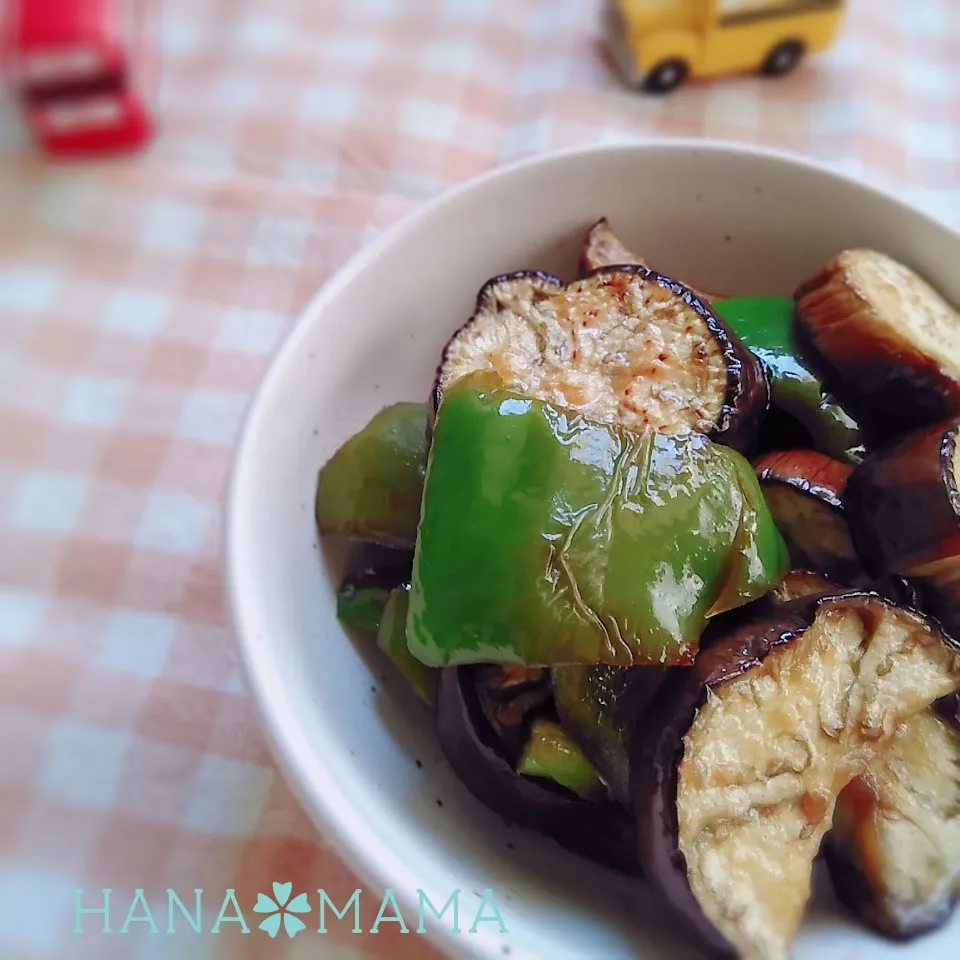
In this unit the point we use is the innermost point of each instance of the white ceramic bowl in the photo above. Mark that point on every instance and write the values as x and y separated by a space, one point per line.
722 217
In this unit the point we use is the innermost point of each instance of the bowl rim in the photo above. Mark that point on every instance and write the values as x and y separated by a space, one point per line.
323 800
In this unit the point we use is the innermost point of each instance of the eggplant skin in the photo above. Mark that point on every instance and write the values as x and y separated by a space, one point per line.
808 472
803 583
658 754
804 490
884 340
948 709
603 248
743 399
856 893
747 399
658 748
374 567
904 509
781 430
900 591
601 831
892 852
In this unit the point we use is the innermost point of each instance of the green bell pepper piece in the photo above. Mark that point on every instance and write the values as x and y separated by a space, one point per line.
546 538
551 754
370 489
364 592
765 325
597 707
361 607
392 640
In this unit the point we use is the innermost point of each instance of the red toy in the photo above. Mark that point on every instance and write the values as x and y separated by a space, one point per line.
83 71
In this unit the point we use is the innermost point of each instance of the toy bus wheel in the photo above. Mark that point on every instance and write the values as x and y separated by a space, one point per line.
783 58
666 76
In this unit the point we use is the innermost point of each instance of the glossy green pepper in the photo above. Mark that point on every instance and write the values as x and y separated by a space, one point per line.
551 754
361 607
370 489
546 538
598 707
364 592
392 640
765 325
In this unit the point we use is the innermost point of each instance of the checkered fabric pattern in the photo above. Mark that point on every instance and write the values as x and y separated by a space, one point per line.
140 301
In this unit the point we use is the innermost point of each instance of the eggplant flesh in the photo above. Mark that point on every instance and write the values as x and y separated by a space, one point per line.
597 830
625 346
735 792
816 532
885 340
798 584
804 491
894 851
603 248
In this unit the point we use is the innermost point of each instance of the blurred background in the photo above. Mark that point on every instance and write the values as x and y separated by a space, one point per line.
141 297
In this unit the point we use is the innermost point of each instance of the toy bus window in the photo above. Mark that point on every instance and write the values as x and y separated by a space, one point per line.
58 65
732 12
96 112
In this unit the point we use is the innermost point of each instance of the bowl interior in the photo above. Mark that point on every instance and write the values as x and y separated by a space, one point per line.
345 730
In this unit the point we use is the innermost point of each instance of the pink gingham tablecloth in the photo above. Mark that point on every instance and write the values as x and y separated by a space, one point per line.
140 301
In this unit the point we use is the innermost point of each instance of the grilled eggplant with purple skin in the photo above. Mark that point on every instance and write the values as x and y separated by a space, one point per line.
603 248
894 850
903 502
735 784
804 491
887 342
625 346
482 729
803 583
948 708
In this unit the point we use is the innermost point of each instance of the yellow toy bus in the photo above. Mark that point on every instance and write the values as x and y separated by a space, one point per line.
657 44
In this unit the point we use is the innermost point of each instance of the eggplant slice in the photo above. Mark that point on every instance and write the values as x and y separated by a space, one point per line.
888 342
803 583
804 491
904 508
484 760
736 789
625 345
894 851
603 248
